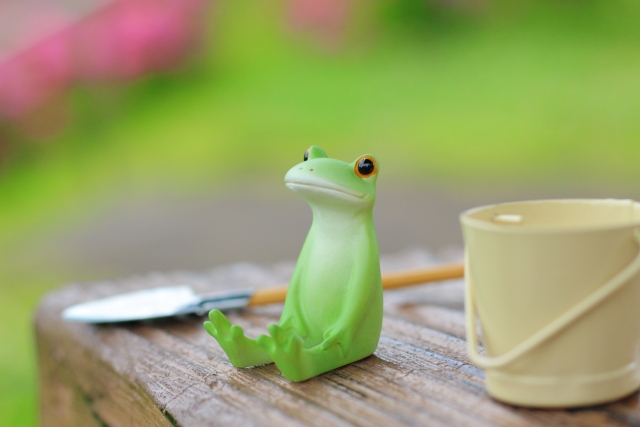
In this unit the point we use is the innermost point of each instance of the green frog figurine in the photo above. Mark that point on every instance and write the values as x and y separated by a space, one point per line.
333 311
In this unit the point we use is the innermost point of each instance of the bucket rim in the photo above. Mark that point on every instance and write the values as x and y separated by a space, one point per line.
466 220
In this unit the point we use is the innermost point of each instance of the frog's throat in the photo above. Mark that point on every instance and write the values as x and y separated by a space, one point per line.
324 187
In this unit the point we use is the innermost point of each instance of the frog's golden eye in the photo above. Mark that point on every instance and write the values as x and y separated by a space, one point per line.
306 154
365 167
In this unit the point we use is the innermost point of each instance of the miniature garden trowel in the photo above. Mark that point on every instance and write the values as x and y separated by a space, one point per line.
153 304
180 300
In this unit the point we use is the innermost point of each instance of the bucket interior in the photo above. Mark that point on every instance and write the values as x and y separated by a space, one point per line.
557 214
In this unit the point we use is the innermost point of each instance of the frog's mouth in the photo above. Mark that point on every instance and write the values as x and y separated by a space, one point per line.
323 186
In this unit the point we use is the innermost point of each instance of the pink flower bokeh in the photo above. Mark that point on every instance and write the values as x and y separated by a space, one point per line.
326 19
124 40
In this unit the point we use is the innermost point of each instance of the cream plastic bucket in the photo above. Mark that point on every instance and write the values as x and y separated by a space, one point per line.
556 288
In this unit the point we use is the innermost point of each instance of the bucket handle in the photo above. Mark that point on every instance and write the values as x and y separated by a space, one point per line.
592 300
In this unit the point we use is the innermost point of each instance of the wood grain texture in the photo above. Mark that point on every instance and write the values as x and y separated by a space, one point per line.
172 373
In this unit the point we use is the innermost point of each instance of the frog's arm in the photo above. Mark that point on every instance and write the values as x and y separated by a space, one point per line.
291 317
363 285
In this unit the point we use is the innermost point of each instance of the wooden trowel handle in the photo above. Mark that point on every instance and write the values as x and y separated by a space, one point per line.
396 279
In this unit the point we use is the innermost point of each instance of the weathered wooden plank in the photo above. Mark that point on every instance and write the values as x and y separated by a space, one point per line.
171 372
99 396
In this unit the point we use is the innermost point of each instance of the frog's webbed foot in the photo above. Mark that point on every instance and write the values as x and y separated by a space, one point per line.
296 362
286 349
242 351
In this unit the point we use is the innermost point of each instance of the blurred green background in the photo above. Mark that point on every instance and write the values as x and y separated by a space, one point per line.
468 97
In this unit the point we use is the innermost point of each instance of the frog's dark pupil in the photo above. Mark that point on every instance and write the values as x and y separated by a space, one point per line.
306 155
365 167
